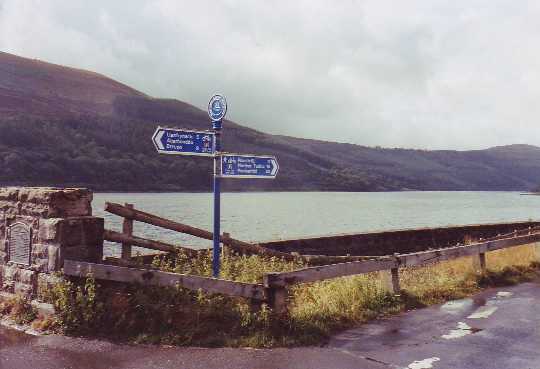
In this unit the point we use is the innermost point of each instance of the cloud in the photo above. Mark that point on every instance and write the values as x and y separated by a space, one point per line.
426 74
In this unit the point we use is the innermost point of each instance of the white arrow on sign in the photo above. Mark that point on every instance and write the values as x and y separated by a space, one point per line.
157 139
275 167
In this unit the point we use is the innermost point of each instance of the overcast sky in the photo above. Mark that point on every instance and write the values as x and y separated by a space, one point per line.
424 74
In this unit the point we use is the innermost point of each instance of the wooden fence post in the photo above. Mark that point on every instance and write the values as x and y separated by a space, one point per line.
396 288
225 240
277 298
482 258
479 262
276 295
255 306
127 229
390 277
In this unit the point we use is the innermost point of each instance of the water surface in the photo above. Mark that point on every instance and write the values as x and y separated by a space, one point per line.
266 216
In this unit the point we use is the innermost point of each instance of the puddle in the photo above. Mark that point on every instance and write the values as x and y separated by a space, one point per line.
457 306
424 364
483 312
462 330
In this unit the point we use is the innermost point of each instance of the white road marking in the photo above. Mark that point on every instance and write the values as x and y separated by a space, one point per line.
483 312
424 364
463 329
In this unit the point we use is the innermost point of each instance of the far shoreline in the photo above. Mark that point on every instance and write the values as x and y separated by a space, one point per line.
307 191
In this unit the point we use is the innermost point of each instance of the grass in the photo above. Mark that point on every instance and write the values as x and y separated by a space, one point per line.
461 277
336 304
317 310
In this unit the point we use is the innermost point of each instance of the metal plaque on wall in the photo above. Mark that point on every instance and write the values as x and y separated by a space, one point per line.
19 243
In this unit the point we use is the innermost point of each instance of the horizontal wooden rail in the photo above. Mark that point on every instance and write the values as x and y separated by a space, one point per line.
325 259
155 220
319 273
435 256
164 279
520 232
143 242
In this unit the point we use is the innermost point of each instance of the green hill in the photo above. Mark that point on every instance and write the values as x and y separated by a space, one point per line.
67 127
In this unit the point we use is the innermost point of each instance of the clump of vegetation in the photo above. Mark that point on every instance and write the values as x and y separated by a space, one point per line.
18 309
316 310
77 305
239 268
172 315
322 308
159 315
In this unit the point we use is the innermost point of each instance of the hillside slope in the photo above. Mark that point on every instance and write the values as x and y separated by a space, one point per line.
68 127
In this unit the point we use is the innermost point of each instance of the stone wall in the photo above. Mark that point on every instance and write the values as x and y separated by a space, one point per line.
390 242
39 228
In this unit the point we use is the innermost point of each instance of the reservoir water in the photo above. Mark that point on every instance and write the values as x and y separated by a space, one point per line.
263 216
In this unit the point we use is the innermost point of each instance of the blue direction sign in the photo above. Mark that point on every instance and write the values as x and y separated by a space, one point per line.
248 166
184 142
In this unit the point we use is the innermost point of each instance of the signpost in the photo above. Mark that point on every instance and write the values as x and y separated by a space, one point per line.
203 143
217 108
184 142
248 166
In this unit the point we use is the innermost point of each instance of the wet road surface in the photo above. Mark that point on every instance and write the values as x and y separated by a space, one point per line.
498 328
53 352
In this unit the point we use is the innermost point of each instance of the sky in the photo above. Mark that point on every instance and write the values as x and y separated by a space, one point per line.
433 74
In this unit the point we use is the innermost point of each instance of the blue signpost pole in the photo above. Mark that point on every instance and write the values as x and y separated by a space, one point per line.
187 142
217 108
216 125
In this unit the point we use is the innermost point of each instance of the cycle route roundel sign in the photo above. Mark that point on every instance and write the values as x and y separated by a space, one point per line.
217 107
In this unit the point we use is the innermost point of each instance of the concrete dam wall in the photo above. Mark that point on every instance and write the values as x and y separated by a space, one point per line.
397 241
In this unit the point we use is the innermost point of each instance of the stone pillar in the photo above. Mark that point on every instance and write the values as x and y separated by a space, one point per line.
39 228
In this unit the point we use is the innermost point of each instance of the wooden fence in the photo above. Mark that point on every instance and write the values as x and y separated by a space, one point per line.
273 290
158 278
127 239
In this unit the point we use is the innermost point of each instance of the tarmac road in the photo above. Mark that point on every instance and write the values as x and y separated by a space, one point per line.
498 328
